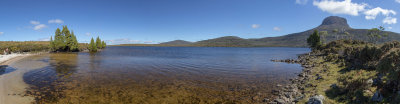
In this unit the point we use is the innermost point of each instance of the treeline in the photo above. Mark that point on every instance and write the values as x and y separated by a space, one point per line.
64 41
94 46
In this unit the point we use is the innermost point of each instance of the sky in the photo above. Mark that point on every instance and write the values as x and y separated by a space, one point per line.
155 21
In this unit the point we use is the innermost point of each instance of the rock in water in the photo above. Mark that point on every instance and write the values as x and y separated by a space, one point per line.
318 99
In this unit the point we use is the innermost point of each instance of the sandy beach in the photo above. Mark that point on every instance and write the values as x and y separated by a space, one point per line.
12 85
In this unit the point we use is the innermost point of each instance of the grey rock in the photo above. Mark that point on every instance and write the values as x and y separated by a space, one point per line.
370 82
265 100
279 101
318 99
334 86
278 85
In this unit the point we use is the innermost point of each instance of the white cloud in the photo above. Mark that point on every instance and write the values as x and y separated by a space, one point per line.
277 29
390 20
398 1
122 41
35 22
44 39
372 13
88 34
340 7
57 21
1 33
127 41
254 26
301 2
389 28
40 26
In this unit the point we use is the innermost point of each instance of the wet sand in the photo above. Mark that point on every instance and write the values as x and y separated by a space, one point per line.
12 86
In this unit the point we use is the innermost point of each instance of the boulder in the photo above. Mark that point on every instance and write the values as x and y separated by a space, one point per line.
279 101
334 86
318 99
370 82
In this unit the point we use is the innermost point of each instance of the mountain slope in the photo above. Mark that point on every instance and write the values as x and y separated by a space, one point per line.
177 42
227 41
336 27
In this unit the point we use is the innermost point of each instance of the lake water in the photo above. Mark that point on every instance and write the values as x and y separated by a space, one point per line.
162 75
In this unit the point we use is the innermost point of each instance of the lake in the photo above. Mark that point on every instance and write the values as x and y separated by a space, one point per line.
127 74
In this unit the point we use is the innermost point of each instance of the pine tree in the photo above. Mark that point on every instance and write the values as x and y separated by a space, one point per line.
52 47
59 41
73 43
92 46
314 40
64 40
68 38
103 44
98 43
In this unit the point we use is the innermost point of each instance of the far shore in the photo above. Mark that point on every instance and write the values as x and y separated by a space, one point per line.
12 85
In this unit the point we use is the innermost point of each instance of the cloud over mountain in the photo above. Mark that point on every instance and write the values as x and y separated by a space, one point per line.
348 7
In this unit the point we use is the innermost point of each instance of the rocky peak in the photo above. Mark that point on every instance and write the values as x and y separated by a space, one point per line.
334 22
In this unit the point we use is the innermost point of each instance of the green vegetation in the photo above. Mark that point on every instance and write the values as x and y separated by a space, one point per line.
92 46
64 41
376 34
98 43
27 46
314 41
358 70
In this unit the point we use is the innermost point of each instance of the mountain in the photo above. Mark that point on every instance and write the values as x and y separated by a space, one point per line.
336 27
176 42
227 41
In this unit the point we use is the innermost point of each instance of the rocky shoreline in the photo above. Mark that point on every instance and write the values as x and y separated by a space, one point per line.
294 92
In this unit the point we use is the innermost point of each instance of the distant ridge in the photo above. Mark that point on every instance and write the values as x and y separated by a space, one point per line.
177 42
329 24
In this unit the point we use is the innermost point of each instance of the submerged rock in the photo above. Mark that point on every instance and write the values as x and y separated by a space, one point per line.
318 99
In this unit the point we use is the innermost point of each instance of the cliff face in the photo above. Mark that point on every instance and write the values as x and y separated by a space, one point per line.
334 22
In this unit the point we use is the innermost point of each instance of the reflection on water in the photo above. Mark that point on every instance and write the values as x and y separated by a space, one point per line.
4 69
162 74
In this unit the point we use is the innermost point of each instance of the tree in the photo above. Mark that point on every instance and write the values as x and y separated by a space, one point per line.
98 43
74 45
92 46
52 47
103 44
68 39
375 34
314 40
59 41
65 41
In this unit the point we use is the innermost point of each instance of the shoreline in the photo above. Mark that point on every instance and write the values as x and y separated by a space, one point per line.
12 85
294 92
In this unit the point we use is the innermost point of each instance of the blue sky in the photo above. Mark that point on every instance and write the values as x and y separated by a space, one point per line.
154 21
